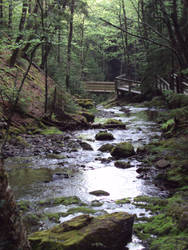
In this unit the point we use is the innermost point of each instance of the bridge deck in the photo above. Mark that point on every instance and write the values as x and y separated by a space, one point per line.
122 84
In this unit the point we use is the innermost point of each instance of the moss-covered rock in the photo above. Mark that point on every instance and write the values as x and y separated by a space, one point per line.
114 121
123 201
96 203
104 136
86 146
122 164
99 193
89 116
85 103
106 147
82 209
123 150
69 200
110 231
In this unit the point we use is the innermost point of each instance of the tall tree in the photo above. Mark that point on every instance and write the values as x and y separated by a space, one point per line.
69 45
20 35
1 12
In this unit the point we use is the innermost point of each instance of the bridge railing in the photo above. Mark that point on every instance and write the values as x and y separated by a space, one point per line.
178 84
124 84
100 86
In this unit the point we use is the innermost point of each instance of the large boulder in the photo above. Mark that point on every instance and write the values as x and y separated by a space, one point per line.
123 150
109 232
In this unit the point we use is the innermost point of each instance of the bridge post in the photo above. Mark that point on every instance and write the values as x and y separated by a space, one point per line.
129 87
116 87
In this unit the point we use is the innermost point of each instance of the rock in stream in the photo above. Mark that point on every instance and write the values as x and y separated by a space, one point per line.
110 232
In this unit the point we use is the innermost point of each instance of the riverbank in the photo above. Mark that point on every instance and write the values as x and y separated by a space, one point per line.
70 164
167 229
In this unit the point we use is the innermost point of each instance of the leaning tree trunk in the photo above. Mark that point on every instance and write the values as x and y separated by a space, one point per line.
12 231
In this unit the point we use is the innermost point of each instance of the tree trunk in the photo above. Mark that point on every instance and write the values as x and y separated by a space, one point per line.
1 12
31 26
20 36
46 85
12 231
179 35
69 46
10 15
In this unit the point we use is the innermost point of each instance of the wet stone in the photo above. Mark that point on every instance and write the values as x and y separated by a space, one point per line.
162 163
99 193
86 146
104 135
122 164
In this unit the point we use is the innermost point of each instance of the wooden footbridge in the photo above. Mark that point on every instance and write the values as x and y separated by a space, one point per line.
123 85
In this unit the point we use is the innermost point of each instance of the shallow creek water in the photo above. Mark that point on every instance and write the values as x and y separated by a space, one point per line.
35 178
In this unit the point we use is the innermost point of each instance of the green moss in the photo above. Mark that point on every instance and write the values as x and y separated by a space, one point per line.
123 201
69 200
84 232
169 224
54 216
51 131
85 210
24 205
101 120
179 242
114 121
85 103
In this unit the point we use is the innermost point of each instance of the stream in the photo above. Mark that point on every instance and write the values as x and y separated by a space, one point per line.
76 172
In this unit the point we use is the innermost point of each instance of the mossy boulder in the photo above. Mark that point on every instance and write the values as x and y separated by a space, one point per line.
114 121
99 193
86 146
123 150
104 136
85 103
111 232
89 116
106 147
123 201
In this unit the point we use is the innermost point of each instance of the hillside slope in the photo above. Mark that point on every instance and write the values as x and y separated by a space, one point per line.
32 96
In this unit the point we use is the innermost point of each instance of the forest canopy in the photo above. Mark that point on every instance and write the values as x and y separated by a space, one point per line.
81 40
